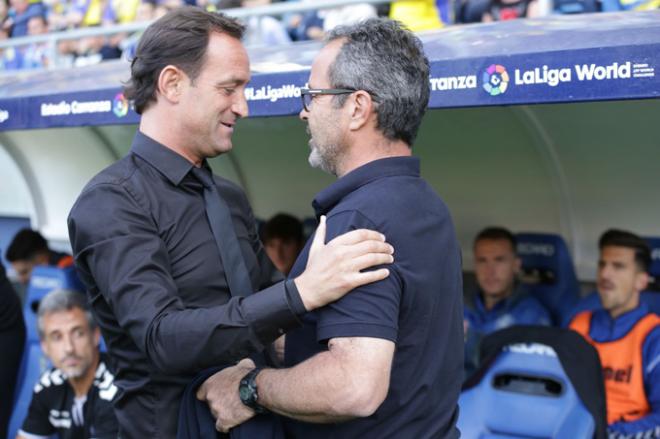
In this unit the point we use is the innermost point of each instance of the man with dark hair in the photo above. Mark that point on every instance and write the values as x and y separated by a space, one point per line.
283 240
499 301
73 399
29 249
626 335
169 253
386 359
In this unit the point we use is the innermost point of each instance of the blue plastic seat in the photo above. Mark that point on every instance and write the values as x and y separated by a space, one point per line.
547 269
524 394
43 280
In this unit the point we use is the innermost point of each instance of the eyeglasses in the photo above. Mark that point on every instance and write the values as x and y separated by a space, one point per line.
307 94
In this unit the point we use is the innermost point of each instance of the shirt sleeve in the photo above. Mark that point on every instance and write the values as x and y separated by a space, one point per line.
36 422
106 224
649 425
371 310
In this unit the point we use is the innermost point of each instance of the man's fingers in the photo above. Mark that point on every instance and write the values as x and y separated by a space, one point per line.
368 277
366 247
246 363
319 237
201 392
355 236
370 260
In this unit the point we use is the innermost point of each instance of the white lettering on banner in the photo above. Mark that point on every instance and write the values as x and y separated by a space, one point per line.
61 109
91 107
453 83
268 93
592 71
532 348
4 115
544 75
529 248
65 108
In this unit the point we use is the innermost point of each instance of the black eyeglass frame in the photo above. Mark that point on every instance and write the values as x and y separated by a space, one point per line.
322 91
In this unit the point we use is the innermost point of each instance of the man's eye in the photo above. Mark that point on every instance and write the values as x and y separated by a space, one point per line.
229 91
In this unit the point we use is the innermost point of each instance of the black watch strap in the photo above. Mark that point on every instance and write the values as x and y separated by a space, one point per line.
247 390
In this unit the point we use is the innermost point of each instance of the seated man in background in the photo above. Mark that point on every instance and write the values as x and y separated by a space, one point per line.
283 239
626 335
29 249
74 399
499 301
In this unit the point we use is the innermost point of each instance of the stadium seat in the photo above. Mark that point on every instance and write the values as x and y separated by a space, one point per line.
524 392
43 280
547 269
651 296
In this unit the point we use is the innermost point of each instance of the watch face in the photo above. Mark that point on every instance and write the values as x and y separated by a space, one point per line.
244 392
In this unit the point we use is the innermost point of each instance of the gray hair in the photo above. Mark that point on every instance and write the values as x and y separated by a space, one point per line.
63 300
386 60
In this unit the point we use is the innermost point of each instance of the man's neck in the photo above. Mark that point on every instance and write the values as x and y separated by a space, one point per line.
490 301
82 384
627 307
168 134
368 150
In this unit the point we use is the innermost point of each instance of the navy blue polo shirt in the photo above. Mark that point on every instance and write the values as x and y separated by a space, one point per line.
418 307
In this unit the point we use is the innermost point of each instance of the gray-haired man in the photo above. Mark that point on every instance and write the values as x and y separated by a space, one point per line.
74 399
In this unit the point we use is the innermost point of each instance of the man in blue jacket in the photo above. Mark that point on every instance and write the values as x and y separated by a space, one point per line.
499 301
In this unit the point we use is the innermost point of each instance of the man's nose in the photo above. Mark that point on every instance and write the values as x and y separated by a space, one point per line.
303 115
240 106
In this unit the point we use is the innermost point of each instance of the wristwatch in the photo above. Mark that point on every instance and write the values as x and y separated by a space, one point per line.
247 390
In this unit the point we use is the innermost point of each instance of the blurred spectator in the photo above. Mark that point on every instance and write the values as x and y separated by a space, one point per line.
36 54
499 301
416 15
19 14
73 399
283 240
146 11
264 29
346 15
12 342
500 10
29 249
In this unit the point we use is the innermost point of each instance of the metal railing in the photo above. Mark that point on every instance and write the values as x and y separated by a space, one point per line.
53 38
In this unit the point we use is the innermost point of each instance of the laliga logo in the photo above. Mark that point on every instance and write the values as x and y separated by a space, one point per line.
4 115
495 79
120 105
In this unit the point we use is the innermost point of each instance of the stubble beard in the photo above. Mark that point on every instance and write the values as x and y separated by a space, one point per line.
324 157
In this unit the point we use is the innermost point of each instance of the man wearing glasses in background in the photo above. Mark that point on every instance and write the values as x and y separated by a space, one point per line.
385 360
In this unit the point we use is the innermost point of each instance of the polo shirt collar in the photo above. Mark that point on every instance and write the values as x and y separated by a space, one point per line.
365 174
172 165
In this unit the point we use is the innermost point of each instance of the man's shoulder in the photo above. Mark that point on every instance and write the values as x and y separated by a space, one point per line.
114 174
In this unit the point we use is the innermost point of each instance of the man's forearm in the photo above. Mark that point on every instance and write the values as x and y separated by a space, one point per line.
313 391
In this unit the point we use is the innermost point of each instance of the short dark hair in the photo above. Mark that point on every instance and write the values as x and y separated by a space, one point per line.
178 38
283 226
624 238
26 244
496 233
386 60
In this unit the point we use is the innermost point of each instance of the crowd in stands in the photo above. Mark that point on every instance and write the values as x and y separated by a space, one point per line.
21 18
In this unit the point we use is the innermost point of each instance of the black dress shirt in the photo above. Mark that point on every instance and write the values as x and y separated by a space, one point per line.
145 252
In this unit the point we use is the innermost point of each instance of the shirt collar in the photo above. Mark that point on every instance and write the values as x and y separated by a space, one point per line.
172 165
387 167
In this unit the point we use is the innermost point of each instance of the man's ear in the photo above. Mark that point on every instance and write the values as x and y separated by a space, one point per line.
362 109
170 83
641 281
